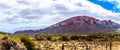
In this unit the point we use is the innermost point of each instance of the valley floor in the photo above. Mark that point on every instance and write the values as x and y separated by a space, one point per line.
76 45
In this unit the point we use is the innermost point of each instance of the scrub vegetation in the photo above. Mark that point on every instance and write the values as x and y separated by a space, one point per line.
27 42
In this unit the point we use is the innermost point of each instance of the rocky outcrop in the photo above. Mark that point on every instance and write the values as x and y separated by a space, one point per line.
85 19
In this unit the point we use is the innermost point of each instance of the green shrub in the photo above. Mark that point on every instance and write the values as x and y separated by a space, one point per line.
74 37
7 43
49 36
64 38
27 42
86 38
39 37
89 38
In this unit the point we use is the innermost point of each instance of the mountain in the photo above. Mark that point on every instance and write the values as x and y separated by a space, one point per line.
4 32
77 25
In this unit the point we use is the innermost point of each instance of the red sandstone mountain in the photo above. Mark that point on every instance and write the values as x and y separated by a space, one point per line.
77 25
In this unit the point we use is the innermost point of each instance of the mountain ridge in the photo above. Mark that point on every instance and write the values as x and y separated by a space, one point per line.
76 25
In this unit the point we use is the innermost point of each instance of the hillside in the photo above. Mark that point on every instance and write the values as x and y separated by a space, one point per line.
76 25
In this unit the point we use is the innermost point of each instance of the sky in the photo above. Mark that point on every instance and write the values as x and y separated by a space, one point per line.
36 14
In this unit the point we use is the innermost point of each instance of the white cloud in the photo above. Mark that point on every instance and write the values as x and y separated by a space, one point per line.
9 3
37 13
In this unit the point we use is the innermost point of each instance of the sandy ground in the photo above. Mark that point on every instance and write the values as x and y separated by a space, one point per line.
76 45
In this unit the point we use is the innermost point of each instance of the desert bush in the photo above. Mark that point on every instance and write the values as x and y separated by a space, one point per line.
109 37
39 37
64 38
29 44
8 43
49 36
74 37
86 38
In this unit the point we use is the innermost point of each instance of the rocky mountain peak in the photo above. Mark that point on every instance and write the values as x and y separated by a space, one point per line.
77 25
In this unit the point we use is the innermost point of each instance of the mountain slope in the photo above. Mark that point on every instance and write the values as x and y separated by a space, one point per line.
77 25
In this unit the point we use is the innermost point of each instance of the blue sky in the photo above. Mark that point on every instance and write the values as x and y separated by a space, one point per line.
36 14
107 5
